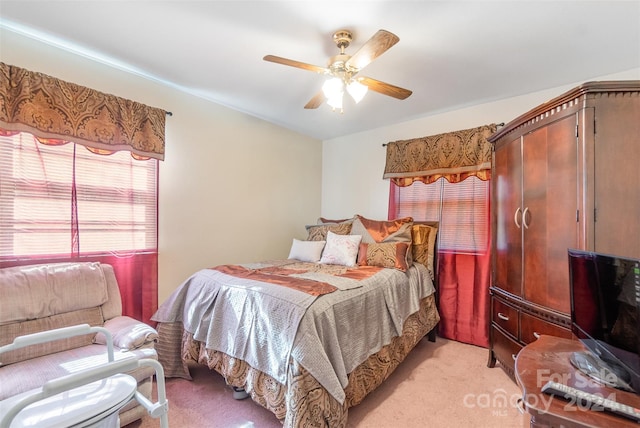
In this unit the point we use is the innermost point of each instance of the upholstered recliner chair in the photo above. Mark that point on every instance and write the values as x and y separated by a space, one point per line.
45 297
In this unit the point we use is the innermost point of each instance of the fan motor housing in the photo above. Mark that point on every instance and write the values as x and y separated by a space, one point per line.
342 39
337 64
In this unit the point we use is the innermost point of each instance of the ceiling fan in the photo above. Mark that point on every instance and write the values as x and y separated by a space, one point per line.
342 70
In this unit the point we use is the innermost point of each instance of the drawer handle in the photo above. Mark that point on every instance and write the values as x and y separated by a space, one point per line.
514 356
503 317
515 217
536 335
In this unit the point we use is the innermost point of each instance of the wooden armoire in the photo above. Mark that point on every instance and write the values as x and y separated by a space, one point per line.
566 174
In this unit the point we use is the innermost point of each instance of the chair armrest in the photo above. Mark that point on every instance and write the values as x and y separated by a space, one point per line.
93 374
128 333
61 333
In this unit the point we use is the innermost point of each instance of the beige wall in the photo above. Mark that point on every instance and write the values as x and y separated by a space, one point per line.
359 159
233 188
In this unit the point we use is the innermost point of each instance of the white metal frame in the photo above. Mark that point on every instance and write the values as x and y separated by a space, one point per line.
158 409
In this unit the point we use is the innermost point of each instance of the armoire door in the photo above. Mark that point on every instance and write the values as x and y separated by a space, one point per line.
507 199
549 211
617 176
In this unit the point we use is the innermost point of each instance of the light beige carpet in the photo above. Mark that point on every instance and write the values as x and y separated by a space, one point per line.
442 384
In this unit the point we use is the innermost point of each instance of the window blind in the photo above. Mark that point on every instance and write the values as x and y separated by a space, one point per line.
462 209
116 199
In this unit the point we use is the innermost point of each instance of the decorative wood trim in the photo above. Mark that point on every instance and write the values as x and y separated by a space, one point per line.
546 314
507 297
496 291
508 369
575 98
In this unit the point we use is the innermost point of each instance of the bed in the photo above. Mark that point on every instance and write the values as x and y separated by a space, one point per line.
310 336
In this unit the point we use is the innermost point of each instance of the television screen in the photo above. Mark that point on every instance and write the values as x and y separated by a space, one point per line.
605 297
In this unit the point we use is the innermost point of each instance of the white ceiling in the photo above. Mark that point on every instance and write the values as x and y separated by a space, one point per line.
451 54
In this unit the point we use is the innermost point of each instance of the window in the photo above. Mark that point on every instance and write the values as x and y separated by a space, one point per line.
461 208
64 199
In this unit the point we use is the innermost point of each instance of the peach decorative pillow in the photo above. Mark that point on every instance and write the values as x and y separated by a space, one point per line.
395 255
382 231
341 249
373 231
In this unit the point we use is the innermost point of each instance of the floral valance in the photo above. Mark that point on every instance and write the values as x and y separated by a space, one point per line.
452 155
52 109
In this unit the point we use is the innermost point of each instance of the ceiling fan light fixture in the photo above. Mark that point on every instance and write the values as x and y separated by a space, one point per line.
333 88
357 90
342 68
335 102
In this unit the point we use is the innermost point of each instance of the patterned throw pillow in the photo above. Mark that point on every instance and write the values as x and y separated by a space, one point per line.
323 220
423 244
341 249
395 255
319 232
381 231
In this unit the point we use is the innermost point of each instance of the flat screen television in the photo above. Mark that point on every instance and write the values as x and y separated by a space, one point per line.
605 303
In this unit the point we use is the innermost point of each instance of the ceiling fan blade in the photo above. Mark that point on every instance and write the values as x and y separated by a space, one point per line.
298 64
375 46
316 101
385 88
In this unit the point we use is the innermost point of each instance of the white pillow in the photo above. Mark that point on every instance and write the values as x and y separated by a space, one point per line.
306 251
341 249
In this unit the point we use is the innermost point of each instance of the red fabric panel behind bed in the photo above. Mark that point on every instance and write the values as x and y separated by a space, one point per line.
463 285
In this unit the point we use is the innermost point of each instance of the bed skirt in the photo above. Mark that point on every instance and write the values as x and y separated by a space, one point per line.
303 401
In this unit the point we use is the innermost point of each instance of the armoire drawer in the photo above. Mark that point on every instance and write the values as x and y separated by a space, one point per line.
505 350
506 316
531 327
